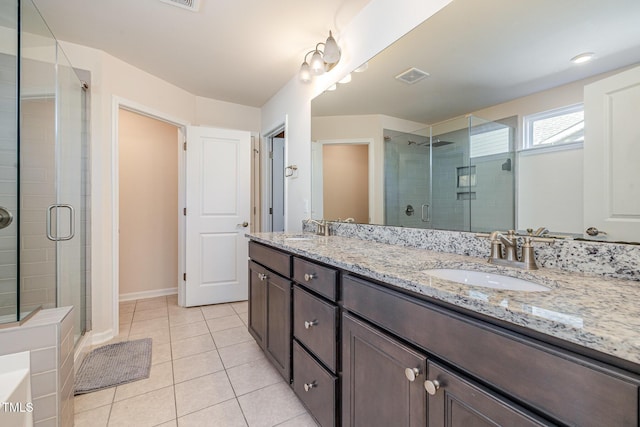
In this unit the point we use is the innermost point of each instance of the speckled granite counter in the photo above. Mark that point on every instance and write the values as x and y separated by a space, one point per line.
592 311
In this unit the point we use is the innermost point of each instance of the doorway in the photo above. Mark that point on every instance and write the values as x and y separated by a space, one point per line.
274 217
148 168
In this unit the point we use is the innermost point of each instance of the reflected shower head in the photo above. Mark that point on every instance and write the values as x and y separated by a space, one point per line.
437 142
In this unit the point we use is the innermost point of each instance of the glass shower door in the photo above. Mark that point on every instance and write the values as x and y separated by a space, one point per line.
69 212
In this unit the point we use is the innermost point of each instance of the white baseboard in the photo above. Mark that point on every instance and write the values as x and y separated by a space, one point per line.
148 294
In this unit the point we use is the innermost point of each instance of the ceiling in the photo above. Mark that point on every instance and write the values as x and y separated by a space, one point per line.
240 51
482 53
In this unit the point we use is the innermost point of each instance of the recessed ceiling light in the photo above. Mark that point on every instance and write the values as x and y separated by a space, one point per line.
582 58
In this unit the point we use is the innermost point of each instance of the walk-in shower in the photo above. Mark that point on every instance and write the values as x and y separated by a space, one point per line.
44 172
455 175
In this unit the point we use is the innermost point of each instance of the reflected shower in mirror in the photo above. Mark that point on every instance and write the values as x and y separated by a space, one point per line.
491 137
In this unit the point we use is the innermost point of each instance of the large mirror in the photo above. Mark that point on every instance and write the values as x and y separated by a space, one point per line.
474 121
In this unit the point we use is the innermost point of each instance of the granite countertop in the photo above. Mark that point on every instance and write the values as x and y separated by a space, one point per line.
589 310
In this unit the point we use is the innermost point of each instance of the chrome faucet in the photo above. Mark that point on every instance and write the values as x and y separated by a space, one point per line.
322 226
509 243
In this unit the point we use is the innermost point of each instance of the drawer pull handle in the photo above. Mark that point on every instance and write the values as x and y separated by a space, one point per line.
411 373
309 386
432 386
309 276
262 276
308 325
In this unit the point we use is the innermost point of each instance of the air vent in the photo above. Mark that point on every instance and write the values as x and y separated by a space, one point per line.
192 5
412 75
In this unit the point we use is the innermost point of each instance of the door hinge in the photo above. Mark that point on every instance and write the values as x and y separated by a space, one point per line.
255 210
184 276
270 211
184 146
184 211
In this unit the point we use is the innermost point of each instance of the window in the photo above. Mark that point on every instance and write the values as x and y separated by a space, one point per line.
554 127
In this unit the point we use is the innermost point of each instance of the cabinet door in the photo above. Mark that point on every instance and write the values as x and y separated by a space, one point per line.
258 303
278 341
376 389
457 402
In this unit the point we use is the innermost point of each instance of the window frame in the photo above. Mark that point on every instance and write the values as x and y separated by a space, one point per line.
530 119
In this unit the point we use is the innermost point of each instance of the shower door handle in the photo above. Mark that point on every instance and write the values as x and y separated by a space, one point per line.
428 218
72 223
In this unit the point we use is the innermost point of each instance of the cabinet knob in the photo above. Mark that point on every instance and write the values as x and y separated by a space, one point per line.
309 386
309 324
309 276
432 386
262 276
411 373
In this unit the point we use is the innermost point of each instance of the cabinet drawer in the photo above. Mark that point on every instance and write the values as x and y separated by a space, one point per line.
315 277
273 259
569 388
315 325
314 386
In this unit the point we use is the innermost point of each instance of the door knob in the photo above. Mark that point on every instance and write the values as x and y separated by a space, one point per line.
593 231
244 224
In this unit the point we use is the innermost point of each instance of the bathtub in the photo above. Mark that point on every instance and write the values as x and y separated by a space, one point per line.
16 407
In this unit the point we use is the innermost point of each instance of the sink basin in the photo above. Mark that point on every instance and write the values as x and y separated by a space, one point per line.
486 280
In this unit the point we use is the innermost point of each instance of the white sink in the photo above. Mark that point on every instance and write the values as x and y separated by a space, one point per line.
486 280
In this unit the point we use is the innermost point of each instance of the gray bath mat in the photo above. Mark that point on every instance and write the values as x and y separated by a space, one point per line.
114 364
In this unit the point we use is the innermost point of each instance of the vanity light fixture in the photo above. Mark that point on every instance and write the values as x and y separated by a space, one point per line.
321 59
345 79
582 58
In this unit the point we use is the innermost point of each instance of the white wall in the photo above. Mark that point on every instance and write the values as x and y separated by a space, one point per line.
378 25
112 78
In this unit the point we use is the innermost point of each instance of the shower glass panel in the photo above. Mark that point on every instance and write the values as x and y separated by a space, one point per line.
407 180
43 171
492 159
453 178
9 242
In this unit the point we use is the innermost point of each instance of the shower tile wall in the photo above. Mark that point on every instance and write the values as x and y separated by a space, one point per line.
37 177
494 207
449 213
8 190
411 187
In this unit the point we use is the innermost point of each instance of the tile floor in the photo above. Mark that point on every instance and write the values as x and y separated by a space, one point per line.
206 371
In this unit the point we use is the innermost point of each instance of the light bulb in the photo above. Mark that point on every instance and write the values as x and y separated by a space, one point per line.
305 73
345 79
331 50
317 63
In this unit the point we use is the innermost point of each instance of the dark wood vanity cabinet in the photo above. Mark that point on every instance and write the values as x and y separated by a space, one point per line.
366 354
270 305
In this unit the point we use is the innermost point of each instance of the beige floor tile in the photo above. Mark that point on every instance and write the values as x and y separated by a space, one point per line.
161 376
172 299
253 376
125 318
172 423
160 352
226 322
183 317
127 307
270 406
225 414
189 330
146 326
231 336
97 417
197 365
151 303
155 313
240 307
191 346
160 336
218 310
84 402
244 317
240 354
202 392
148 409
305 420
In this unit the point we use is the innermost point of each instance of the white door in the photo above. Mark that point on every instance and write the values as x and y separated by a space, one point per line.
277 184
218 211
611 155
